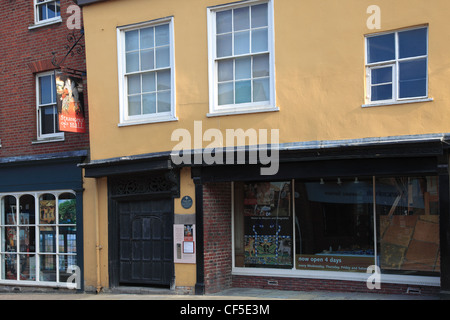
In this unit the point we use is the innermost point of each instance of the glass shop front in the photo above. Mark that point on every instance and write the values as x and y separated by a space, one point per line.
340 225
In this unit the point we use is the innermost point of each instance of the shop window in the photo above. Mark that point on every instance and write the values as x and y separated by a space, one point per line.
334 225
344 225
408 218
45 258
263 224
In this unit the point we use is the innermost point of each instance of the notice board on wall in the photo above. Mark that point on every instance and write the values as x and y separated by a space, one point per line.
184 243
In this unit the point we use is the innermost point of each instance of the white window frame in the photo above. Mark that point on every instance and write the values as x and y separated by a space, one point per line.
125 119
47 136
214 108
38 254
395 71
37 22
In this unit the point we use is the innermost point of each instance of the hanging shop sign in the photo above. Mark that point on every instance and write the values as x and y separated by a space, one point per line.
69 97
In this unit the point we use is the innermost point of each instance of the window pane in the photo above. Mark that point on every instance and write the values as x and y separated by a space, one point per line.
48 119
263 225
67 242
162 57
334 229
381 75
243 91
259 15
148 82
241 19
243 68
412 43
9 210
58 8
47 210
223 21
134 105
163 79
134 84
26 210
67 207
224 45
408 218
149 103
47 268
163 101
261 66
27 265
146 38
9 262
42 12
382 92
226 93
66 261
381 48
47 239
10 239
51 10
132 62
241 42
225 70
27 239
162 35
147 59
46 89
132 40
261 90
259 40
413 75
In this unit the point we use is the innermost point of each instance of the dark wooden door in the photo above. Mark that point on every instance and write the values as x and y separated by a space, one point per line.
145 242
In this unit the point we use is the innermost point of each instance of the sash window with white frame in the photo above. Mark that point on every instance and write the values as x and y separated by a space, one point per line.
47 10
241 62
146 72
397 66
47 111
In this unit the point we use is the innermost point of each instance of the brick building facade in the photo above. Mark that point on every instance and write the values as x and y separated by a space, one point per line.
40 183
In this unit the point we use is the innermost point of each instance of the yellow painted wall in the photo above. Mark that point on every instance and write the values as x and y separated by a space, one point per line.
320 74
95 229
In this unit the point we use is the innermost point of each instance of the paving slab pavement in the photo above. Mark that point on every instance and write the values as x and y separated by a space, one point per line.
230 294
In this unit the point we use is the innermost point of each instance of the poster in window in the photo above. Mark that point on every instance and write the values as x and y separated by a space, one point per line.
69 97
47 211
267 224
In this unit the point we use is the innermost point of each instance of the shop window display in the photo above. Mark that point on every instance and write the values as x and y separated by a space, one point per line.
339 224
38 233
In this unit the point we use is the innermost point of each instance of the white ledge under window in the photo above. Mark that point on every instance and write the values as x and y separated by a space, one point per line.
389 103
126 123
45 23
238 110
48 140
337 275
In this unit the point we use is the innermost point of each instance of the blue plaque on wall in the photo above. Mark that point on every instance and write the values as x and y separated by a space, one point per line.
186 202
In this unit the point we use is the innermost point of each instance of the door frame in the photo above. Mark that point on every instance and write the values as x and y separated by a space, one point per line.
169 190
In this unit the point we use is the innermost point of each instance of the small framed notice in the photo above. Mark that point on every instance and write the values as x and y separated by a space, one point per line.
188 247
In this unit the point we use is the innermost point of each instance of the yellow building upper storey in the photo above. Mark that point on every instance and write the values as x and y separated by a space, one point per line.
315 70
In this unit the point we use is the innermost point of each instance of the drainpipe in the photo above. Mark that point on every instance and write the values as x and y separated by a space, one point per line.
200 283
98 246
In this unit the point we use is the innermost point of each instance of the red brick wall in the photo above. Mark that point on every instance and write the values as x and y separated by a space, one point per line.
22 53
217 236
299 284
